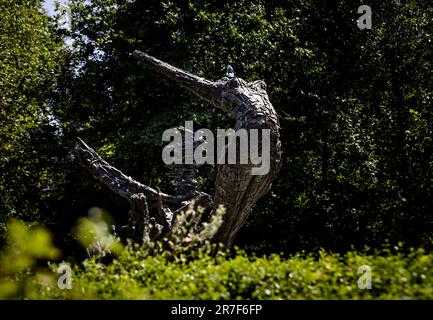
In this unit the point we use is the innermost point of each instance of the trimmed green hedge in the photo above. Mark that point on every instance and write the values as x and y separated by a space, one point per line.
137 274
329 276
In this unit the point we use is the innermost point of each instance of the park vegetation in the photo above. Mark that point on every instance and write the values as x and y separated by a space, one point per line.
356 114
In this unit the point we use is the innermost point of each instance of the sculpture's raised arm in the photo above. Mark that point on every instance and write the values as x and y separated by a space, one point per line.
235 187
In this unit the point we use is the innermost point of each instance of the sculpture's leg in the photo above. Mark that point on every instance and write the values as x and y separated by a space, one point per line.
139 217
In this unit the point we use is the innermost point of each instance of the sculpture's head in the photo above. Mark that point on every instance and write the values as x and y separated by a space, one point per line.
226 93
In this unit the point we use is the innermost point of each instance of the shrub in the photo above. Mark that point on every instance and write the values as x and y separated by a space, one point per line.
136 274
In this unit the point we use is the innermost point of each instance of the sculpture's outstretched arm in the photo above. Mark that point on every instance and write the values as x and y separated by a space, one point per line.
147 204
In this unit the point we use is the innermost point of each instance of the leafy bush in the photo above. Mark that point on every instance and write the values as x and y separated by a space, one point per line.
134 273
19 269
329 276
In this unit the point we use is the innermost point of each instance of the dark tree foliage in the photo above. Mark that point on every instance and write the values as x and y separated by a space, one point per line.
355 109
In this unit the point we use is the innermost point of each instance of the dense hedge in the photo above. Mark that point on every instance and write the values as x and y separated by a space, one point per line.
394 276
137 274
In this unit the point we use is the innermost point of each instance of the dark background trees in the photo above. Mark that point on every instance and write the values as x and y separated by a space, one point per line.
30 60
355 109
